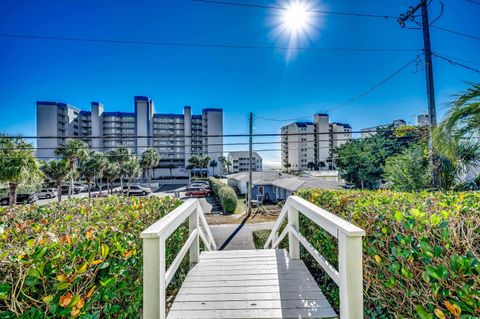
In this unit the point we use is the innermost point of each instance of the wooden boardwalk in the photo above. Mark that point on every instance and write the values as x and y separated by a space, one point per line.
249 284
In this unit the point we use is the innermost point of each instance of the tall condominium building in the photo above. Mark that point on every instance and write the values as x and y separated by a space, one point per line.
370 131
176 137
307 145
241 163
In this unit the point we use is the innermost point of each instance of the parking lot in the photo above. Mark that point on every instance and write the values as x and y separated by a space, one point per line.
210 205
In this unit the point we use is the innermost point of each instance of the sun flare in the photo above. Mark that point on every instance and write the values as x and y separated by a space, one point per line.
295 24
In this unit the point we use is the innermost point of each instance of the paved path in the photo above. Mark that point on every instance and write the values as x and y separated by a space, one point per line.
243 239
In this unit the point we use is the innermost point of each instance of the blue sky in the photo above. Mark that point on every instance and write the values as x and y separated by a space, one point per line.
237 80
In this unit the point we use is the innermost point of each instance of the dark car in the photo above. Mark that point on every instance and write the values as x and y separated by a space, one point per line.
66 190
21 199
198 191
136 190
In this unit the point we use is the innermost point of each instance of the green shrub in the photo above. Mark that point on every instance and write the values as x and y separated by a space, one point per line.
225 194
228 198
79 258
420 253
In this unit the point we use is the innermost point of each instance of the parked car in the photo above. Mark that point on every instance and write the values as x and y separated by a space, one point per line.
195 184
21 199
47 193
82 187
198 191
66 189
199 182
137 190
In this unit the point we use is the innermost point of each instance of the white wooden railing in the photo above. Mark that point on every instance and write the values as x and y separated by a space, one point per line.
155 277
349 276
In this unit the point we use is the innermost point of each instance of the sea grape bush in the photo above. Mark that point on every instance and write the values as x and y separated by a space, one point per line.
421 252
80 258
225 194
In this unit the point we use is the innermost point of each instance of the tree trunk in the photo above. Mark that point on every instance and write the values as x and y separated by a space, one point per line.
13 193
100 185
361 183
121 181
89 183
129 185
70 191
59 190
149 174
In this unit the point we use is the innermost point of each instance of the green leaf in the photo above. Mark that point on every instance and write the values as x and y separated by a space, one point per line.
422 313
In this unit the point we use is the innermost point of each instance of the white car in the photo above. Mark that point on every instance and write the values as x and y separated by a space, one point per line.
47 193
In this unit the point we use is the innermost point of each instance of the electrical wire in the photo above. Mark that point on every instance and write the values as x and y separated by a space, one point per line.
255 150
458 59
353 99
275 7
474 2
476 37
456 63
201 45
178 136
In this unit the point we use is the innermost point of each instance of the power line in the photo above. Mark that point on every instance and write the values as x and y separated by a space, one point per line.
474 2
254 150
177 136
456 32
356 98
275 7
201 45
456 63
458 59
166 146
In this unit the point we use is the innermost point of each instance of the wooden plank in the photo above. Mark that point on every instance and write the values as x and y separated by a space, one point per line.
254 313
250 284
252 296
248 289
236 283
251 304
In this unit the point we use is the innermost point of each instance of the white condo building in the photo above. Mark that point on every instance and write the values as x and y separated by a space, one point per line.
175 137
241 163
313 142
371 131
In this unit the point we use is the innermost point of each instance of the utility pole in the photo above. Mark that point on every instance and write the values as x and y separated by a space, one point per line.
250 166
427 50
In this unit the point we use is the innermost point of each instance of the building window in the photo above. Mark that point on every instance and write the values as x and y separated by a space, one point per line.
260 190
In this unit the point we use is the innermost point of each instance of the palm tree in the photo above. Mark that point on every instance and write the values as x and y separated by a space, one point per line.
170 168
213 164
17 164
87 169
322 165
111 173
121 156
228 164
100 164
223 160
456 137
150 159
73 151
204 162
132 170
56 171
194 161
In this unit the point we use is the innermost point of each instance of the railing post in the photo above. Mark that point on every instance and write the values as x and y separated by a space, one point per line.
351 276
154 302
193 223
293 242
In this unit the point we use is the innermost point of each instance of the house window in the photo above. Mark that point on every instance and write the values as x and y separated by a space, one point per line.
260 190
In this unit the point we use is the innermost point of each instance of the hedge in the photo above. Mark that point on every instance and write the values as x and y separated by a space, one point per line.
420 253
225 194
80 258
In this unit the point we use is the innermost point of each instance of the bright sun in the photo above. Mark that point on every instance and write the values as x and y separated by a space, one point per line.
295 24
296 17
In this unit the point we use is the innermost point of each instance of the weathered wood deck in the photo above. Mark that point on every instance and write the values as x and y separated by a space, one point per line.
249 284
